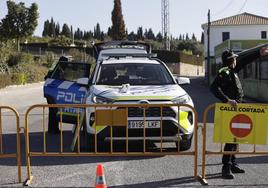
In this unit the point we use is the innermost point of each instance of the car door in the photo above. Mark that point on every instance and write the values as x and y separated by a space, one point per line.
61 86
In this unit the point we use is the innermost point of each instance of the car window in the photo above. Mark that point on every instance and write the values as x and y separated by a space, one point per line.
71 71
134 74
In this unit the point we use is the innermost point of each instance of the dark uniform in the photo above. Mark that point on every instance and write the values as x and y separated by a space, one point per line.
228 86
225 87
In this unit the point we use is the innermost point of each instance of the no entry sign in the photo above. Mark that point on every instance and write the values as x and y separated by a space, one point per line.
245 124
241 125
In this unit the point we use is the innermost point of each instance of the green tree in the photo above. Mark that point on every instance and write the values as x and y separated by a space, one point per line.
102 36
150 34
159 37
6 49
187 37
109 31
118 31
97 32
78 34
66 31
132 36
57 30
88 35
52 28
193 37
46 29
20 21
72 33
140 35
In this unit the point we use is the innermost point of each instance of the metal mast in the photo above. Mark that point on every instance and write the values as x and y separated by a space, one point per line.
165 23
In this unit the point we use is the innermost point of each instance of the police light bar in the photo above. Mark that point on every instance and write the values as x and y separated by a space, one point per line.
124 55
122 45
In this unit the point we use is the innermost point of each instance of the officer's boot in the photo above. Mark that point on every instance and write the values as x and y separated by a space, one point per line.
236 169
234 166
226 172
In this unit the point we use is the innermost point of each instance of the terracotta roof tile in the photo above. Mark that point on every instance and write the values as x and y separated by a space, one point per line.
242 19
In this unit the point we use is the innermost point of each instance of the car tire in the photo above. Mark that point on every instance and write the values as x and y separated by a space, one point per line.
184 144
88 139
53 123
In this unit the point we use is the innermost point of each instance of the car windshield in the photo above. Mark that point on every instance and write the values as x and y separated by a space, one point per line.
134 74
71 71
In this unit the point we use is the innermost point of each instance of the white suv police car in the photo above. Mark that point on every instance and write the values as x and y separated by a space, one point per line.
132 76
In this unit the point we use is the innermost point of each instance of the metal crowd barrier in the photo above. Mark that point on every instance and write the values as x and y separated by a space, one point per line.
206 152
16 155
104 115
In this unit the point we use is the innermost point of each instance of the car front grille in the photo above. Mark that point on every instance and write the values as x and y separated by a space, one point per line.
151 112
169 129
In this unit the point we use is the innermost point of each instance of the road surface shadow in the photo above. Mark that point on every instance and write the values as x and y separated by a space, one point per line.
53 146
165 183
261 159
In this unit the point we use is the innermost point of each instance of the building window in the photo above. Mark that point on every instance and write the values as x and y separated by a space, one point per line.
263 35
225 36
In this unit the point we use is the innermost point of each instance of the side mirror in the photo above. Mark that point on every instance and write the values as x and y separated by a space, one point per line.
183 80
82 81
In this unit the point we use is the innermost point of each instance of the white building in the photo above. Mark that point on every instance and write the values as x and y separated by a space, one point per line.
239 32
243 26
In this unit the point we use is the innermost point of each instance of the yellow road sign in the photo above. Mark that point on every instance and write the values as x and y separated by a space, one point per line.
245 124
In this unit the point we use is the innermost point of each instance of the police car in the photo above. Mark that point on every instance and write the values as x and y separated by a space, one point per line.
63 86
131 75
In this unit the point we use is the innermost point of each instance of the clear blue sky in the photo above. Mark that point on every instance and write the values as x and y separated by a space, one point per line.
186 16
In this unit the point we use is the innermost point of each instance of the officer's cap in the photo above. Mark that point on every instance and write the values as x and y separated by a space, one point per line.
226 56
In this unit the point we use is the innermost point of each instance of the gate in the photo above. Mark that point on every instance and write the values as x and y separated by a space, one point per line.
16 155
115 117
206 152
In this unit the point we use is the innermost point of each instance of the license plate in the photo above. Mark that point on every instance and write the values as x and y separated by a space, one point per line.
140 124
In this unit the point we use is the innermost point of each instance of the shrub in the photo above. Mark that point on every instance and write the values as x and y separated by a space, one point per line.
18 58
36 74
19 78
77 55
47 60
5 80
29 73
6 49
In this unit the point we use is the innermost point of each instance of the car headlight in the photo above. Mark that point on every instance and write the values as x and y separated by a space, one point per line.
181 100
101 100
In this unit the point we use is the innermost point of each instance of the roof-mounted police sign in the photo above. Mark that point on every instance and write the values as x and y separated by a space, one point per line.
245 124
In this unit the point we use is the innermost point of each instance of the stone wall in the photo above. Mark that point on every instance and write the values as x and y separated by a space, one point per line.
185 69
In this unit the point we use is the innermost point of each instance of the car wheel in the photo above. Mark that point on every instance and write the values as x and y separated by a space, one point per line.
184 144
88 139
53 123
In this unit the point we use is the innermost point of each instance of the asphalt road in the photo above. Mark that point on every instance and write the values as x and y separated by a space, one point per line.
158 171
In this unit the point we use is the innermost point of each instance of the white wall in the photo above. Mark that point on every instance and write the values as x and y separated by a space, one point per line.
185 69
241 32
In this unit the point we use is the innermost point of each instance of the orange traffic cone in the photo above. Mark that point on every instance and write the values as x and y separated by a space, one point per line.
100 178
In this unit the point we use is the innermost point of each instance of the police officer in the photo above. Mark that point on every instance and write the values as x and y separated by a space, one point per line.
227 87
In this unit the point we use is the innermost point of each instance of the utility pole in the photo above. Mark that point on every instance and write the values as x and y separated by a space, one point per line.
165 23
208 47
